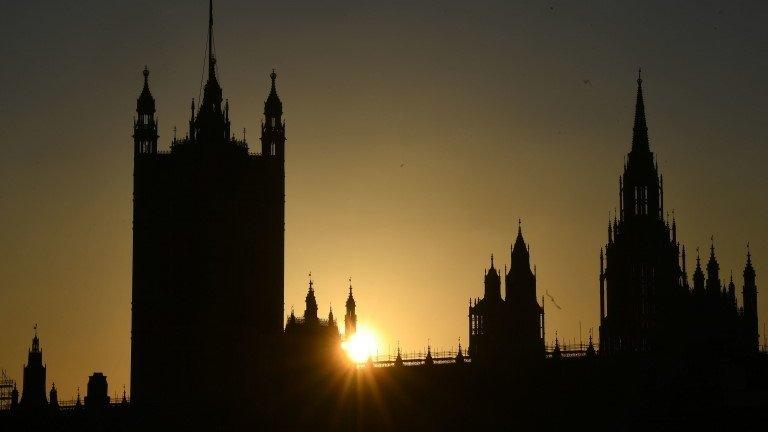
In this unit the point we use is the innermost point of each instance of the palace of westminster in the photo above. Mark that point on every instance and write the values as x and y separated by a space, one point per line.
211 348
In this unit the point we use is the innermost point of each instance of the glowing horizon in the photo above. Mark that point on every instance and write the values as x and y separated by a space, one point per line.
362 345
416 140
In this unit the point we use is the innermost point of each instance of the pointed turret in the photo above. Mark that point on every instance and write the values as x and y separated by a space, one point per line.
145 126
492 283
291 320
211 125
519 248
145 104
429 361
273 106
331 319
310 313
33 393
53 397
459 355
698 276
713 271
273 127
749 298
350 318
520 281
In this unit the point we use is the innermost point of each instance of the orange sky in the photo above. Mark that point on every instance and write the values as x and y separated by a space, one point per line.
417 136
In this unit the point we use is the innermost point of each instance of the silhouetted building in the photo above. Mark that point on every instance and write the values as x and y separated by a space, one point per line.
311 339
645 301
33 392
208 252
98 391
510 329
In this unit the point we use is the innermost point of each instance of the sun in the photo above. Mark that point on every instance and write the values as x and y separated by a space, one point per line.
361 345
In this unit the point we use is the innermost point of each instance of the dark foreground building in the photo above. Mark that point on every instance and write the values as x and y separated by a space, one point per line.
510 331
310 339
209 351
208 253
646 304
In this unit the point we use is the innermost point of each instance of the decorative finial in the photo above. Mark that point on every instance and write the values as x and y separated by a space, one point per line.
640 75
519 224
273 76
491 260
146 74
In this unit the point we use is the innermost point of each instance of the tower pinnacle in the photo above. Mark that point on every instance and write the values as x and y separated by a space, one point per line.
640 129
350 318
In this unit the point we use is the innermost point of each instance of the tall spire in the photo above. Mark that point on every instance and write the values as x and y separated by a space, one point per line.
211 125
211 58
640 129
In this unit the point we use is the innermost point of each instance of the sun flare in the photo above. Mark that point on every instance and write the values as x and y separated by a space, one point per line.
360 346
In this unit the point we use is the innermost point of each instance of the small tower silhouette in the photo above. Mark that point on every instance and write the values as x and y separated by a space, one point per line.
53 397
350 319
310 313
273 127
145 126
556 353
33 392
429 361
749 293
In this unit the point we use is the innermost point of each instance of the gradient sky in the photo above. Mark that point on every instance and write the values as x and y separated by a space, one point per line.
418 133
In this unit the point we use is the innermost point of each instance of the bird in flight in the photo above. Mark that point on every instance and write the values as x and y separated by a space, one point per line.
553 300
